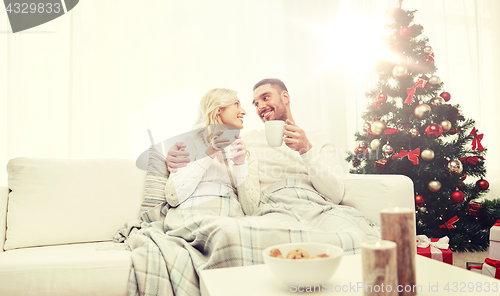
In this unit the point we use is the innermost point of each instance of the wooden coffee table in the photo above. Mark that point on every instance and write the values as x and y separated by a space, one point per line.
433 278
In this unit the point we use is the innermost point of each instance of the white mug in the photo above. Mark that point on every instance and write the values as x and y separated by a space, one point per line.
231 135
274 132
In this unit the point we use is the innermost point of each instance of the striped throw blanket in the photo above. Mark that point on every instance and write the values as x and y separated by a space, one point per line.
170 249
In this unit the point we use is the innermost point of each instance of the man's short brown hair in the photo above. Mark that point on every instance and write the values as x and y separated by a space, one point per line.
273 82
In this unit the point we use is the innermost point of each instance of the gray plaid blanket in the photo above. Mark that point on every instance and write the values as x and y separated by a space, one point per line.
171 245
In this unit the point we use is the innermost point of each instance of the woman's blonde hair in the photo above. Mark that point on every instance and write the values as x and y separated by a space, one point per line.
208 121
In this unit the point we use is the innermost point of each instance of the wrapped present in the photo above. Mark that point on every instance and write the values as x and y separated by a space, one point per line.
474 267
495 241
491 268
434 248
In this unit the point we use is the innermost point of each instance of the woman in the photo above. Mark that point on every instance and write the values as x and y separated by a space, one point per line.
215 180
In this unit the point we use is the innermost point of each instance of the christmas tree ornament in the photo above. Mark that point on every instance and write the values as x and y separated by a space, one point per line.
356 163
399 72
404 31
470 160
453 131
434 129
434 186
482 184
421 83
474 208
457 196
430 58
381 97
375 143
413 132
476 141
428 49
359 150
446 96
446 125
419 200
455 166
436 101
434 80
380 164
378 127
427 155
421 109
449 223
387 149
366 126
412 155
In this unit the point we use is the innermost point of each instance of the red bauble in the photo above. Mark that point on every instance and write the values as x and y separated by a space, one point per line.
457 196
482 184
446 96
429 58
453 131
359 150
381 97
419 200
434 129
404 31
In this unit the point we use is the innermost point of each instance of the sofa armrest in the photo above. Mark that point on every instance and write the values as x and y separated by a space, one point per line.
372 193
4 196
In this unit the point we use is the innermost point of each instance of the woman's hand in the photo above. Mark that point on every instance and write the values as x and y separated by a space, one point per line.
240 151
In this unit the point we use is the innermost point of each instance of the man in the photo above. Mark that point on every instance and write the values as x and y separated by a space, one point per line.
312 162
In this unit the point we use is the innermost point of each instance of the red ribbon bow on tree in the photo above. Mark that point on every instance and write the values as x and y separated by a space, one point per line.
391 131
412 156
449 223
422 81
470 159
492 262
476 142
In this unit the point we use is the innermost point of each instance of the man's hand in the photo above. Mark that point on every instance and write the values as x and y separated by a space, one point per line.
295 138
176 158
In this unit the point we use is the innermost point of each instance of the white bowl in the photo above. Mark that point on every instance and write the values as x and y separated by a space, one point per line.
304 271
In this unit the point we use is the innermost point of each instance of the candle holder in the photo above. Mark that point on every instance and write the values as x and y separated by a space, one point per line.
398 225
380 271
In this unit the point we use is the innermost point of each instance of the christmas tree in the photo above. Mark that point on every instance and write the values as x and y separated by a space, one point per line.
411 129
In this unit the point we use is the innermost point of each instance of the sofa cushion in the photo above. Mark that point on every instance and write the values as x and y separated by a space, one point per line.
77 269
56 201
156 177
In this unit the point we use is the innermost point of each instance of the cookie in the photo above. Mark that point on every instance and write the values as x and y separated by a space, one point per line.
297 254
276 253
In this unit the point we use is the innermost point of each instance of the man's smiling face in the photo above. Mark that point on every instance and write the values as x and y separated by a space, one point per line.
270 102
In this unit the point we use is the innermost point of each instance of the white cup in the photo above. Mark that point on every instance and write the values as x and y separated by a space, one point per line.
274 132
228 134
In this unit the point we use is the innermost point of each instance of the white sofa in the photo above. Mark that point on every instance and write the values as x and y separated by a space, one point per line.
57 223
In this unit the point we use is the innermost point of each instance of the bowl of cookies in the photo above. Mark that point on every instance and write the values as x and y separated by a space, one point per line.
303 263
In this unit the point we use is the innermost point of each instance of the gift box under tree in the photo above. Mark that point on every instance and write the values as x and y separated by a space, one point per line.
434 248
491 268
495 241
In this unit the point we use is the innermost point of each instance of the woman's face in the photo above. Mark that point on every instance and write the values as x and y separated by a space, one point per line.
233 114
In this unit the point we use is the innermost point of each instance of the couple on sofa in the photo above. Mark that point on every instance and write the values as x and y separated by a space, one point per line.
222 210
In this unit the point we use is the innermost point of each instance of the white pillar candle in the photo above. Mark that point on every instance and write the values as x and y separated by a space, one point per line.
380 271
398 225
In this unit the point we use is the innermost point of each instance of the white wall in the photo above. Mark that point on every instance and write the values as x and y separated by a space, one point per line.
68 87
